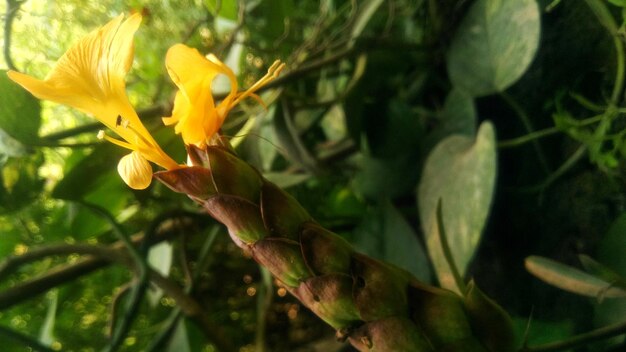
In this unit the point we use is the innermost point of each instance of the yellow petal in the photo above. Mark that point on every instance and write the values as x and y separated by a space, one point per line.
135 170
90 78
90 75
195 113
191 71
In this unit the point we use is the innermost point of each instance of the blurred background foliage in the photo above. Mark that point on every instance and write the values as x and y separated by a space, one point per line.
510 112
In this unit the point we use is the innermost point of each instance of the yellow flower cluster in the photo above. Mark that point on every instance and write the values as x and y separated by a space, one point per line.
90 77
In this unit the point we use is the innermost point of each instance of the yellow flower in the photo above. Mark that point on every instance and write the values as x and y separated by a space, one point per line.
90 78
195 114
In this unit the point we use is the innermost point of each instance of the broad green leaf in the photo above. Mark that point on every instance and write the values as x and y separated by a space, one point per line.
19 182
386 235
608 312
620 3
91 171
93 178
10 147
223 8
20 113
494 45
334 123
275 13
461 172
160 259
610 252
611 249
111 194
542 331
602 271
457 117
286 179
381 178
571 279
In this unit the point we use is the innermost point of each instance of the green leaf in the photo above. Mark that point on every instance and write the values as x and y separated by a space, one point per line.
386 235
571 279
223 8
386 177
611 253
20 113
275 12
601 271
620 3
457 117
494 45
611 249
112 194
91 171
9 147
461 172
19 182
541 331
160 259
286 179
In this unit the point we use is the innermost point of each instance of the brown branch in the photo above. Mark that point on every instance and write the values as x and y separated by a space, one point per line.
53 278
98 257
12 262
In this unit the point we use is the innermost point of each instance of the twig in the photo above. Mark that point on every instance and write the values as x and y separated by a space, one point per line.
66 273
147 113
12 262
55 277
115 303
519 111
566 166
447 252
264 301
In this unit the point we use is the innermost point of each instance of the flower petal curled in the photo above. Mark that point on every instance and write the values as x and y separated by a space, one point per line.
90 77
195 113
135 170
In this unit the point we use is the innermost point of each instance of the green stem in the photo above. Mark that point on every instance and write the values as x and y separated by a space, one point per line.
606 19
515 142
529 128
264 300
568 164
447 252
582 339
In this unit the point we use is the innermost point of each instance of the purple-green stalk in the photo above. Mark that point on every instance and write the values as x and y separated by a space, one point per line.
374 305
